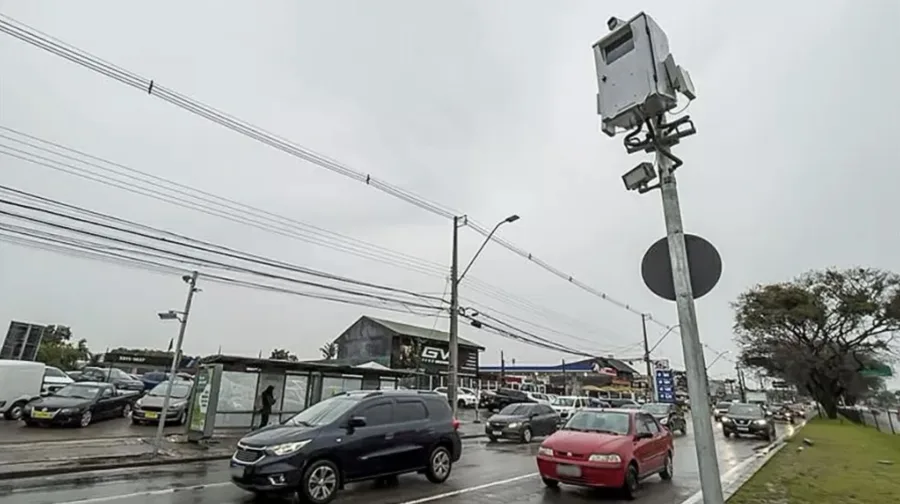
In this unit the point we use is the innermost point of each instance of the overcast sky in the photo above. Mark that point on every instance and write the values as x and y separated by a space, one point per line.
484 106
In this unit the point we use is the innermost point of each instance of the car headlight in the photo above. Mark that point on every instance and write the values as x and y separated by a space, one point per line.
69 411
513 425
609 458
725 419
760 422
139 403
548 452
287 448
664 421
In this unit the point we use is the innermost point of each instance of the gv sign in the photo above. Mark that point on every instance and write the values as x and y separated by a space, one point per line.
435 355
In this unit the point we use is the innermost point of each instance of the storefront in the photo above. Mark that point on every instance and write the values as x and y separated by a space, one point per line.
402 346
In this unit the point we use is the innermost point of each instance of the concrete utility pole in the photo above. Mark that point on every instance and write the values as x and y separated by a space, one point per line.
455 279
694 362
452 374
651 396
192 288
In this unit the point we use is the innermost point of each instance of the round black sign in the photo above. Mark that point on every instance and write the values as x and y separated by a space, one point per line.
703 260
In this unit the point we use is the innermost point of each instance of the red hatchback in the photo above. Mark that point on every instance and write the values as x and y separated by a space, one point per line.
613 448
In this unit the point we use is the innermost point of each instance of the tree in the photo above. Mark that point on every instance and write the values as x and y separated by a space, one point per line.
820 330
282 354
57 349
329 351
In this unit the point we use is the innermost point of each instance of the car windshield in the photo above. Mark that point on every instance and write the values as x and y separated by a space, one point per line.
723 405
750 410
516 409
78 391
599 421
655 408
564 401
324 412
179 390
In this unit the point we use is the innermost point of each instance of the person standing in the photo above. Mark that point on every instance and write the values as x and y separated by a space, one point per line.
267 400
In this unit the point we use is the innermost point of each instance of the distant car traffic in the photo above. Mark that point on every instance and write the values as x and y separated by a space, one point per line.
79 404
465 397
502 398
54 379
607 448
748 419
122 380
521 422
352 436
720 409
149 408
624 403
566 405
667 415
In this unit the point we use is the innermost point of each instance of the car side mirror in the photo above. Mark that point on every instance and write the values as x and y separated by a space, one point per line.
642 435
357 421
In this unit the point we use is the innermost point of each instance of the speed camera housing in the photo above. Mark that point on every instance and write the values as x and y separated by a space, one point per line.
636 76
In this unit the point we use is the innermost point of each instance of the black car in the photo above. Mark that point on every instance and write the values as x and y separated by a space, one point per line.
504 397
78 404
745 419
522 421
623 403
353 436
119 378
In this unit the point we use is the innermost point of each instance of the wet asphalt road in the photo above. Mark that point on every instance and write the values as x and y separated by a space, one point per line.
488 472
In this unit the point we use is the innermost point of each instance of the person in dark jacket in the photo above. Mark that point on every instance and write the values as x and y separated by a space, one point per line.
267 400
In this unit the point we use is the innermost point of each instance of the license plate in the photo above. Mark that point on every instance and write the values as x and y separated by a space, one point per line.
151 415
237 471
41 414
743 429
568 470
497 433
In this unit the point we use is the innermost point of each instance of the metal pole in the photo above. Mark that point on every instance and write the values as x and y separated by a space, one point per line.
452 375
650 388
477 400
704 442
192 288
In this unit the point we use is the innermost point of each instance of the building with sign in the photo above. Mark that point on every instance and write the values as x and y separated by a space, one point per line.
407 347
22 341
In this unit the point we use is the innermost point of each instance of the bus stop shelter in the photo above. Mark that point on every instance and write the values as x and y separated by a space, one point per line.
228 388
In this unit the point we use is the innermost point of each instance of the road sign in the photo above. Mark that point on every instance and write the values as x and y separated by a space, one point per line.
665 385
879 370
704 262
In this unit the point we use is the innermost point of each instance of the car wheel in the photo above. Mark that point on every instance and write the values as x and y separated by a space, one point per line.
630 486
439 465
492 439
85 419
320 483
460 403
15 411
668 468
126 410
550 483
527 435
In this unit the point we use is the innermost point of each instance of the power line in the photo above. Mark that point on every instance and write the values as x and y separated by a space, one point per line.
474 284
85 59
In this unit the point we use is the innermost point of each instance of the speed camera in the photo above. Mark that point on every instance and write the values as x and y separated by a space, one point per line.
636 75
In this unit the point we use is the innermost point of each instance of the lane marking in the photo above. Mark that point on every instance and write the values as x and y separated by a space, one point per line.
468 489
167 491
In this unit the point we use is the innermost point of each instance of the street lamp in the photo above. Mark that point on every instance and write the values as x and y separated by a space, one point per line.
181 317
455 278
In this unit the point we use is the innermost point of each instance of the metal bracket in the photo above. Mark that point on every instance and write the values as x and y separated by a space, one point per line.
670 135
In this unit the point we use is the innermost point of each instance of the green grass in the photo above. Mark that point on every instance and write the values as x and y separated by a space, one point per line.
841 468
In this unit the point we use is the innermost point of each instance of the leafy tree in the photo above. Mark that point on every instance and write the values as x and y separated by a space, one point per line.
329 351
57 349
820 330
282 354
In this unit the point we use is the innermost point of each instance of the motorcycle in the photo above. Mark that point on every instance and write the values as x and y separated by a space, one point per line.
676 422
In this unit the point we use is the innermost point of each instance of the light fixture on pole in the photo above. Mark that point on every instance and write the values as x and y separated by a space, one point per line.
182 317
638 84
455 278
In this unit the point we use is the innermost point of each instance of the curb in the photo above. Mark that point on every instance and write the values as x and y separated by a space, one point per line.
50 471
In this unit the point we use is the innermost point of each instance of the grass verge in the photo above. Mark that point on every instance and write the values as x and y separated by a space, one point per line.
842 466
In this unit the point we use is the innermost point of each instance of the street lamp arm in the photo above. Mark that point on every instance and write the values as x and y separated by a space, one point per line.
511 218
664 337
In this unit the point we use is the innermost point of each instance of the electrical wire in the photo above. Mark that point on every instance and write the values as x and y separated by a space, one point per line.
474 284
85 59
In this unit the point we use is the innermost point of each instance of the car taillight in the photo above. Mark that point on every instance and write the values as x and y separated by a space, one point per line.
455 424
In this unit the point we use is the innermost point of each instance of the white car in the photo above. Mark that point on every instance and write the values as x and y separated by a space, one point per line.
566 405
465 397
54 379
539 398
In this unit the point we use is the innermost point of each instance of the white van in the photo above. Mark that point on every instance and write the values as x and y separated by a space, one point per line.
20 382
